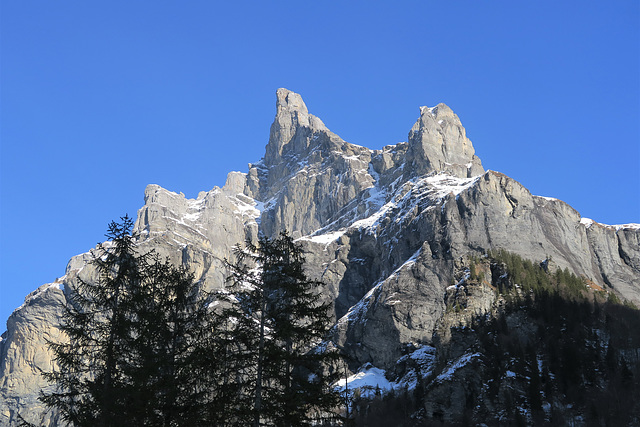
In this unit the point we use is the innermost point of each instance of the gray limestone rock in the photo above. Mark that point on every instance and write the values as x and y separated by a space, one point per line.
388 231
438 143
308 173
24 354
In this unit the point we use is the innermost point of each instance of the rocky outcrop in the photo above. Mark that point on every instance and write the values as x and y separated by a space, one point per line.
438 143
200 233
308 174
487 214
24 355
615 253
388 231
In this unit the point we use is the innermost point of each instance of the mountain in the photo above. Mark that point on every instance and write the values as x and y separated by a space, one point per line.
395 234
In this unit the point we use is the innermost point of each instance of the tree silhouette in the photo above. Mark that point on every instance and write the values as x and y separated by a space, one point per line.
140 343
279 316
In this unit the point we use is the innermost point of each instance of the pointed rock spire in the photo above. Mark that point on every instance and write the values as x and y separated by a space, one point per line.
291 126
438 143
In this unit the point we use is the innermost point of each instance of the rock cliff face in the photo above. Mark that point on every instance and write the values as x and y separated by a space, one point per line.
388 231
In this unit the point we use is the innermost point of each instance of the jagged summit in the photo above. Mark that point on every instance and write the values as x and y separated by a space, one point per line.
308 173
438 143
292 127
305 160
387 231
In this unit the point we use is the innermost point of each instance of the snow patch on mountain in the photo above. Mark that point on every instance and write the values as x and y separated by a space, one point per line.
422 360
462 361
369 379
429 190
194 209
630 226
247 206
588 223
357 311
326 238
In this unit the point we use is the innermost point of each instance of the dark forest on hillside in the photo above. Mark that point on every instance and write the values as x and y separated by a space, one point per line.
557 352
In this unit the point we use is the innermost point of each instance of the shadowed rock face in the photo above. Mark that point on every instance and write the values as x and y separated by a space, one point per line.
386 230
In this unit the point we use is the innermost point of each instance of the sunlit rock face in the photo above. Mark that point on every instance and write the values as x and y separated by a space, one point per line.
387 231
438 143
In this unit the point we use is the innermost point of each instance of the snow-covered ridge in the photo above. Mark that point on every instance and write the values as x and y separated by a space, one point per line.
630 226
462 361
550 199
423 192
431 188
446 184
588 223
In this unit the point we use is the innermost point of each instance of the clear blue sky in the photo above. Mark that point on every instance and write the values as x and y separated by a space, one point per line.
99 99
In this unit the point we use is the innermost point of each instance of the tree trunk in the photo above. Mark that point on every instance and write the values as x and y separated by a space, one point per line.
257 404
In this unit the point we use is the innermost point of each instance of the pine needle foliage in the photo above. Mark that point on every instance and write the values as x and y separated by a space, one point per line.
140 343
279 323
90 377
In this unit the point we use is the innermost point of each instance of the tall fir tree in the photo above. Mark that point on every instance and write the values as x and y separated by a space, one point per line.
172 367
90 378
279 321
141 345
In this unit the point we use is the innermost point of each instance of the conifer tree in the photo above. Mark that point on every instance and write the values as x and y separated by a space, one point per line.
280 320
141 345
90 379
172 367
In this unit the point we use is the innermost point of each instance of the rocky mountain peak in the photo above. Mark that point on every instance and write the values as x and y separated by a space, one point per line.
308 173
398 236
438 143
289 101
292 127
